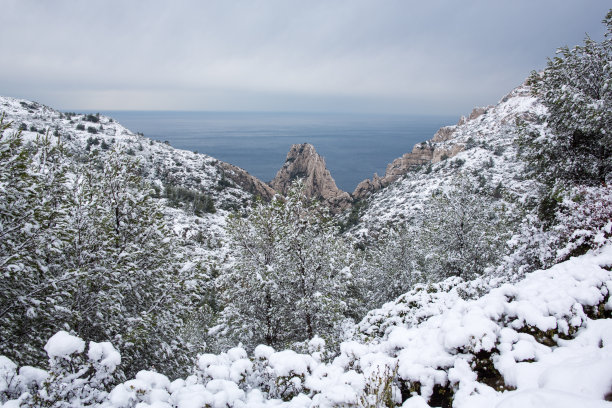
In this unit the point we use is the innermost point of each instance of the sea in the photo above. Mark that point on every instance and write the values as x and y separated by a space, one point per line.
354 146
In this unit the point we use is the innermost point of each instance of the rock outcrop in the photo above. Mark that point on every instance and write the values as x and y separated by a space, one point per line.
432 151
303 162
246 181
422 153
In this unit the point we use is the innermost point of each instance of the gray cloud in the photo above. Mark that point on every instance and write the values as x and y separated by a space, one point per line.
357 55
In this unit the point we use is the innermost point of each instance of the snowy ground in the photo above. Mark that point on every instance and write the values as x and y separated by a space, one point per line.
545 341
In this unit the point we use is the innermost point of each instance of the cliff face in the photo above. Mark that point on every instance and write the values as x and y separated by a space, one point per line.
303 162
246 181
429 152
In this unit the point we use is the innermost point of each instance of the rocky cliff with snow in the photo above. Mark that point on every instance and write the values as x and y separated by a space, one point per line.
444 144
480 149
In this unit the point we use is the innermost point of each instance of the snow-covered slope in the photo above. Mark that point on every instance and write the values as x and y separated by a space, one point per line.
543 342
481 149
161 164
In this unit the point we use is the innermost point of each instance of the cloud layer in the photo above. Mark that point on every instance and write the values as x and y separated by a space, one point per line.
352 55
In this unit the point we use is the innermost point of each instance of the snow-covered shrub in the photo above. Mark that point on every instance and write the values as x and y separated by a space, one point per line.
419 304
291 274
380 390
584 221
461 233
10 385
76 378
147 389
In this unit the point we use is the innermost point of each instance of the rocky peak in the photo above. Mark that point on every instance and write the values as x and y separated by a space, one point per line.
303 162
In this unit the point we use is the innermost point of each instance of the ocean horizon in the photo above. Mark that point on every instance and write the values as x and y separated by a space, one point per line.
354 146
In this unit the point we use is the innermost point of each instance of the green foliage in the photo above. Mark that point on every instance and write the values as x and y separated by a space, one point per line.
393 266
289 281
461 233
223 183
380 390
190 200
353 217
80 126
576 88
92 118
85 248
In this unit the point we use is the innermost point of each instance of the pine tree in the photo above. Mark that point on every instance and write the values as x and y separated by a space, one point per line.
290 276
32 229
461 233
85 248
576 87
394 266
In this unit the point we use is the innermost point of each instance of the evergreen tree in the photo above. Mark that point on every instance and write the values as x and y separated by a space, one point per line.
291 273
32 231
461 233
394 266
576 88
85 248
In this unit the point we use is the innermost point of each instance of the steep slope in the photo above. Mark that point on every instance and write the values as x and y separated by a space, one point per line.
480 149
82 133
303 162
229 187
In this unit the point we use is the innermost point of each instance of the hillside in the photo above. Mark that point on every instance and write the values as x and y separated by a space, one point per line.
226 187
480 150
476 272
544 341
441 344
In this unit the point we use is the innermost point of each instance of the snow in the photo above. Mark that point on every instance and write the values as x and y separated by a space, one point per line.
488 151
539 335
445 348
104 354
153 379
62 344
288 362
441 350
32 376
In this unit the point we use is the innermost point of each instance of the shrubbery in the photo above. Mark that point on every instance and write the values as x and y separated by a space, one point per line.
85 248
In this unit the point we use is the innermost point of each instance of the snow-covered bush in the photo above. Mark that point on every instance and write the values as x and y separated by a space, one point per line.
524 343
74 378
291 274
584 221
461 233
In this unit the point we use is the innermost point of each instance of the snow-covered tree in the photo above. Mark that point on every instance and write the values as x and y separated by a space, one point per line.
393 266
290 276
462 233
130 287
85 248
576 87
32 231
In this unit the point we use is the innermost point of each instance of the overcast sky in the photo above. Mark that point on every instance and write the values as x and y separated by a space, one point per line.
408 57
